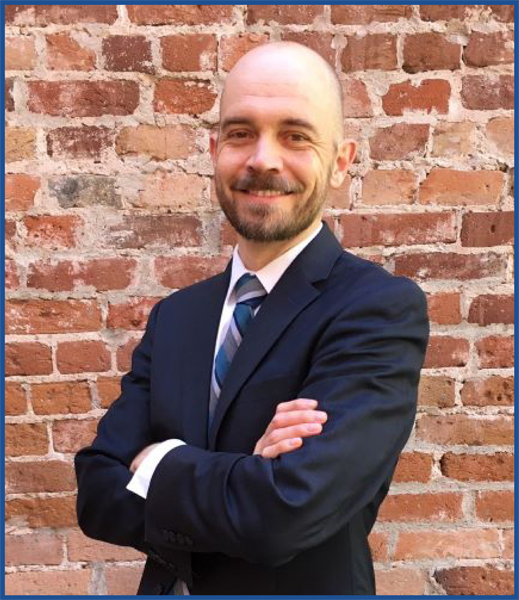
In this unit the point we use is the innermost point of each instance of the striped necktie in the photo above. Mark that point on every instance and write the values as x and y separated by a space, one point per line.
249 295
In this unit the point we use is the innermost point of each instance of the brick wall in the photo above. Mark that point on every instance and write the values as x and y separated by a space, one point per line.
110 207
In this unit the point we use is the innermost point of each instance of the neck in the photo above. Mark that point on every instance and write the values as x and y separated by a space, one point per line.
255 255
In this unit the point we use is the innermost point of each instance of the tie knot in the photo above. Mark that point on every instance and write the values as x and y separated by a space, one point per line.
248 290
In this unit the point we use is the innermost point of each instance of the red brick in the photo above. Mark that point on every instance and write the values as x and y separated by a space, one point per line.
233 47
26 438
79 142
320 42
463 429
20 144
284 14
43 476
101 273
190 52
28 358
480 581
421 507
461 543
82 548
487 229
444 308
401 581
454 139
12 280
495 352
359 14
503 12
397 229
20 53
494 391
487 92
42 512
9 98
41 548
399 142
508 543
382 187
124 354
378 544
127 53
428 95
440 12
175 96
452 187
179 14
70 435
179 192
446 351
132 314
413 466
495 506
52 316
123 580
492 308
64 14
377 51
159 143
65 53
54 582
430 52
478 467
83 98
500 131
19 14
53 232
61 397
83 356
15 400
340 197
108 390
20 190
179 272
10 231
139 231
356 99
439 265
486 49
437 391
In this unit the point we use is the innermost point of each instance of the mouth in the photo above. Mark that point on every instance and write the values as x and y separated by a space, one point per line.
264 195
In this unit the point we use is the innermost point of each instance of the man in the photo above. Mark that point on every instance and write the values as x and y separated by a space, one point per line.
207 461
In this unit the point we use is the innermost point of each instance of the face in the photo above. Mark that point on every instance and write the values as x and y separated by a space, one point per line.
275 154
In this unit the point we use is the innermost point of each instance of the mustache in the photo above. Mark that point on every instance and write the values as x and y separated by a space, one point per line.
252 182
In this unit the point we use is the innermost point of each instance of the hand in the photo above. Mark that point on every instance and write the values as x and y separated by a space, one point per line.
292 422
136 462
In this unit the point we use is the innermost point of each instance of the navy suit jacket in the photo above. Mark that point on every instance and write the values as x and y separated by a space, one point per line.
336 328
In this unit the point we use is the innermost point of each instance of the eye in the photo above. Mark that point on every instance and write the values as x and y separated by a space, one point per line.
239 134
297 137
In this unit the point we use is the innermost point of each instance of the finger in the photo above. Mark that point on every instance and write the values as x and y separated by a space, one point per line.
295 431
281 448
297 404
296 417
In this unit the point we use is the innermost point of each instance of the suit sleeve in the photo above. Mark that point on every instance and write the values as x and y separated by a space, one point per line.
364 372
106 509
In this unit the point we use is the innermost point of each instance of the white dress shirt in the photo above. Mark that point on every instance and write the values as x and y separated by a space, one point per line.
268 276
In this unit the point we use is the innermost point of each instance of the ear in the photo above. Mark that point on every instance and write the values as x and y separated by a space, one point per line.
345 156
213 145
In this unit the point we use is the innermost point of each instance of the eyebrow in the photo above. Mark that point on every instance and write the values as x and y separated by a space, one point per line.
292 122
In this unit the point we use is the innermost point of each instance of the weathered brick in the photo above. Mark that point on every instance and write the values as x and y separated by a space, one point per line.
80 191
179 272
20 191
124 354
452 187
363 14
478 467
79 142
53 231
52 316
284 14
65 53
20 144
446 351
439 265
487 92
70 435
508 543
487 229
40 548
123 580
495 352
61 397
108 390
42 476
495 506
136 231
436 507
413 466
356 99
42 512
485 49
436 391
9 98
428 95
479 581
127 53
444 308
454 139
320 42
430 52
501 133
14 399
502 12
83 98
132 314
69 14
378 544
397 229
464 429
28 358
184 96
189 52
493 391
401 581
440 12
233 47
340 197
159 143
178 191
389 187
461 543
12 279
20 53
83 356
26 438
492 308
54 582
399 142
179 14
82 548
376 51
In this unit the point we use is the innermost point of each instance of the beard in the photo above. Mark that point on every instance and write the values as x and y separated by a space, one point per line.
261 222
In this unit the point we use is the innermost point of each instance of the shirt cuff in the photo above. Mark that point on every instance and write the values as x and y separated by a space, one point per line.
140 482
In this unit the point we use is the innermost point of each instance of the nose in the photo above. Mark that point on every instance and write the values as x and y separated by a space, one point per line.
266 156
